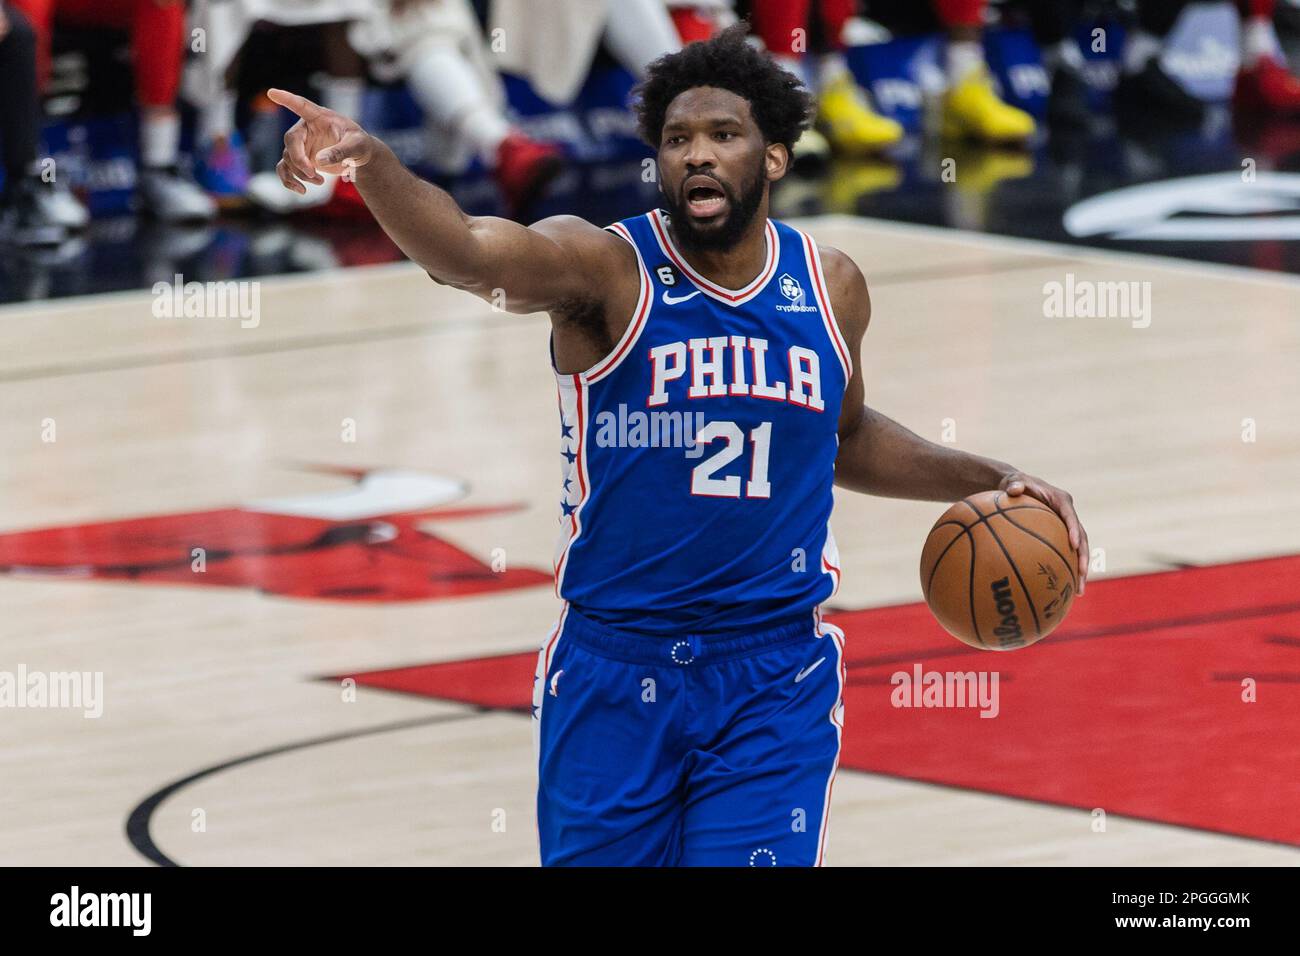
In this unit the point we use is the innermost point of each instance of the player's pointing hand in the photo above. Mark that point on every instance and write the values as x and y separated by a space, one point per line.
1060 501
322 141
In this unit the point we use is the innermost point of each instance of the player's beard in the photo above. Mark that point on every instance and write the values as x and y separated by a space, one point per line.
741 208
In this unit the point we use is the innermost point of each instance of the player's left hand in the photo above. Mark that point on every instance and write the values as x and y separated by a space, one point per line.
1018 483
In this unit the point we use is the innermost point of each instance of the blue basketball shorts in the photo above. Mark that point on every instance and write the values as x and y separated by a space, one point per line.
702 750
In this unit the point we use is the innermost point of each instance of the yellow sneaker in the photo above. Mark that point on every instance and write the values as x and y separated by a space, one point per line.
850 123
972 109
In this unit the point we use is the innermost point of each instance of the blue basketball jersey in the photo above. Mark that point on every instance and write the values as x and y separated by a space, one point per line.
699 455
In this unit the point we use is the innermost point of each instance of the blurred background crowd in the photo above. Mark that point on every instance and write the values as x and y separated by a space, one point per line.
137 134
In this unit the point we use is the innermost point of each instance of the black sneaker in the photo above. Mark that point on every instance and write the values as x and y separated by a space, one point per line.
1067 104
25 220
1153 95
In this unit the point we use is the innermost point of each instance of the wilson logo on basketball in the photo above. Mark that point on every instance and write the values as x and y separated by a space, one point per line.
1009 629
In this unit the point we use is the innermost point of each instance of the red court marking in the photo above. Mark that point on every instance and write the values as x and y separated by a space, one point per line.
504 682
389 557
1134 705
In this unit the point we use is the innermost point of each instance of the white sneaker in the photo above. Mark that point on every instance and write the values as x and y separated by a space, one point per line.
266 190
59 205
170 196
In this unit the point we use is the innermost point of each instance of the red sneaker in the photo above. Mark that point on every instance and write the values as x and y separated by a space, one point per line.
1269 87
525 168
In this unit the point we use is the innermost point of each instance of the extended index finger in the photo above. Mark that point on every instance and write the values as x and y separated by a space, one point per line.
292 101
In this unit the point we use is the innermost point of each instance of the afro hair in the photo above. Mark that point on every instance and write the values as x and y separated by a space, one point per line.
778 101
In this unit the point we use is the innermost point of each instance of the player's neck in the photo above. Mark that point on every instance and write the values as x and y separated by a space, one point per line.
736 266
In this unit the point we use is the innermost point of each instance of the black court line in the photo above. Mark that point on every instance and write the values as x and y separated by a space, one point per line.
138 820
1283 639
1267 677
414 330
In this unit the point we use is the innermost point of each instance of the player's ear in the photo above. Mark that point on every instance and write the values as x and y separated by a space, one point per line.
777 161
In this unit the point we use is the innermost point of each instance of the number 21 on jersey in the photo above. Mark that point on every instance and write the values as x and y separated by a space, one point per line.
757 486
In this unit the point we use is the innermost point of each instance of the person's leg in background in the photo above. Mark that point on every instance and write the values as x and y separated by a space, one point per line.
1054 23
782 26
1145 90
157 29
638 32
971 108
971 115
19 108
844 111
448 89
157 53
452 96
25 219
805 38
344 86
31 28
1264 84
223 164
439 50
223 157
40 18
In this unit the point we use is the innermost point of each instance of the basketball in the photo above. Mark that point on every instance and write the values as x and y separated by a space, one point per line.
998 572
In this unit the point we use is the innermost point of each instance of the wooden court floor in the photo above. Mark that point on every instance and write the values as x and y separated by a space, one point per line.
223 738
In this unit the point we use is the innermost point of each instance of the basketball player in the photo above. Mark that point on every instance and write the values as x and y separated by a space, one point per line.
688 705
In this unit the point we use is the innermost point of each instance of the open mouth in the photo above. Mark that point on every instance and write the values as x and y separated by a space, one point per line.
704 197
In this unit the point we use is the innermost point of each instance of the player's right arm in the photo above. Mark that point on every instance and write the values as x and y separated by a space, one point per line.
559 265
878 456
